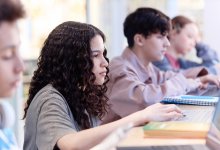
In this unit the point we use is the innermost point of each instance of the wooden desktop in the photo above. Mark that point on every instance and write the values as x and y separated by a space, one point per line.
135 138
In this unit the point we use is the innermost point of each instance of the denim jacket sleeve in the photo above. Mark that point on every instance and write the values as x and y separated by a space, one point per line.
208 55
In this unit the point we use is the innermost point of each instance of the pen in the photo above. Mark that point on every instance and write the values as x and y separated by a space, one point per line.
184 115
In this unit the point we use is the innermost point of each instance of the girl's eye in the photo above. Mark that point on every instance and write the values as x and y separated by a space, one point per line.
95 54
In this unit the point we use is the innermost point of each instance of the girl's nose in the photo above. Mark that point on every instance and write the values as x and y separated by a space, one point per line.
104 62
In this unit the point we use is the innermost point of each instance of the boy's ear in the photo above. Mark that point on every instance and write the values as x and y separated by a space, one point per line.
138 39
173 32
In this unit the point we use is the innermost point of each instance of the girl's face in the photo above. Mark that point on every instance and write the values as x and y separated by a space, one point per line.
184 40
99 61
11 65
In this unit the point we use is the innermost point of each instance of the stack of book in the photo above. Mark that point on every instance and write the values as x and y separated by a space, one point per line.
176 130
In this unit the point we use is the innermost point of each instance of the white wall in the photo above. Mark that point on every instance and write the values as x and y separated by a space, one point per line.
212 24
17 103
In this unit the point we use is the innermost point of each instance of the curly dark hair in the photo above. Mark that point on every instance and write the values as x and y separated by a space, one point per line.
66 63
145 21
11 10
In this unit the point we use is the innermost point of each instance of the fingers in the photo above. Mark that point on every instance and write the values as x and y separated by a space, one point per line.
172 108
210 79
203 86
172 116
172 112
161 112
216 81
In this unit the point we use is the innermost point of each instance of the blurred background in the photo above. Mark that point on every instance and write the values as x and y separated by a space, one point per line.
107 15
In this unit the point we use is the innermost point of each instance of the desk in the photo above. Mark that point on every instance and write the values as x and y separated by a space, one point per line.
135 139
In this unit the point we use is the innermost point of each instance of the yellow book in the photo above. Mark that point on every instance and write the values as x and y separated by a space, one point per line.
174 129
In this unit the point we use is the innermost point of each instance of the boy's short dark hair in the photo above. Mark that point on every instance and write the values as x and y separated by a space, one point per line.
11 10
145 21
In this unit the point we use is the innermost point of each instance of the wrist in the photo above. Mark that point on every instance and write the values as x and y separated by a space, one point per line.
198 79
141 117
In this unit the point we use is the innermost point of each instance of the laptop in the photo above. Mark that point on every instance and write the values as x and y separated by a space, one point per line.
198 115
135 140
213 137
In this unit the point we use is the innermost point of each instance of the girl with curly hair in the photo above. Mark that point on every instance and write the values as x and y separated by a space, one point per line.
67 92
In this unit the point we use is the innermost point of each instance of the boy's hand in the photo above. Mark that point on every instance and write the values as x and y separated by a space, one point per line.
210 78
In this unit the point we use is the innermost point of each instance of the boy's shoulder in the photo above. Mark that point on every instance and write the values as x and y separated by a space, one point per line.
120 65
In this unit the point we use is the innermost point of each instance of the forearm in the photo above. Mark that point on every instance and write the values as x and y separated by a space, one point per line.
177 85
91 137
136 95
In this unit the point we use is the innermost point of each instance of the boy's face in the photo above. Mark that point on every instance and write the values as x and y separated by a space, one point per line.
11 65
155 46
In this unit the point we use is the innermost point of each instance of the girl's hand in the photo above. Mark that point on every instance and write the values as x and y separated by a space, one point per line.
159 112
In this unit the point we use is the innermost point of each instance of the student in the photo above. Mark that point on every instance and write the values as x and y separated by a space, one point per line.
183 38
135 82
11 67
67 92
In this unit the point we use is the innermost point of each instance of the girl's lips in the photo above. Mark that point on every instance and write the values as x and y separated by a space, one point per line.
103 73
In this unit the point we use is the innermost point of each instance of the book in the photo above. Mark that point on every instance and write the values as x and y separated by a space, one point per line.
174 129
191 100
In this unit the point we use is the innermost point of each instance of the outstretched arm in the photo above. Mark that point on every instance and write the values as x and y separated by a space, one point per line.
88 138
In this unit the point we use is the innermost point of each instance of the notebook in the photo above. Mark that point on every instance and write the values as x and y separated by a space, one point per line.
191 100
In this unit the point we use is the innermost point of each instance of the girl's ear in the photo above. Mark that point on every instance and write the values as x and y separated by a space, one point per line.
138 39
172 33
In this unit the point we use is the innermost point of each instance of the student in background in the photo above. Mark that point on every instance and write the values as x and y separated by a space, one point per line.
135 83
67 93
183 38
11 67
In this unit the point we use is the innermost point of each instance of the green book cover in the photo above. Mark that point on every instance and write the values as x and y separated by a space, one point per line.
176 129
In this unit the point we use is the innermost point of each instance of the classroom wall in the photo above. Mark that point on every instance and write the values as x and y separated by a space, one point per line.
212 24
